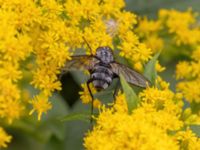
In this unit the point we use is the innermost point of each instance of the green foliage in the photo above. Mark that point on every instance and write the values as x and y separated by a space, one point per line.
77 116
150 71
131 97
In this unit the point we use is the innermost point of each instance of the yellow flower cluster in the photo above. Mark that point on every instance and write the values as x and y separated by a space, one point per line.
189 72
148 31
150 126
38 37
4 138
15 47
184 29
183 25
160 121
86 97
188 140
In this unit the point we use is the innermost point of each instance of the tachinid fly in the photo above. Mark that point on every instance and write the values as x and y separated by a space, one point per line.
103 69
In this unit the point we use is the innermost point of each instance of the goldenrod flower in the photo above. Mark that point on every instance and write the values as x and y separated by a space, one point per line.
159 68
180 24
190 90
148 30
183 70
158 114
135 131
40 104
190 73
38 37
187 140
97 103
147 27
196 54
4 138
85 95
154 42
190 118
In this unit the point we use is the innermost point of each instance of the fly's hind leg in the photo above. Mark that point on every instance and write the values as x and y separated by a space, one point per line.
116 90
92 107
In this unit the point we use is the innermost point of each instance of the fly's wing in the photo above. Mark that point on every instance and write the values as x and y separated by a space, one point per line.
81 62
130 75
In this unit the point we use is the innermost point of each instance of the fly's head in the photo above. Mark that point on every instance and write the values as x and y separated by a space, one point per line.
105 54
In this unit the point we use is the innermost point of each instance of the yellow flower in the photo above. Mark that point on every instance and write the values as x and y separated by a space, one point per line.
111 7
189 72
97 103
11 107
124 131
46 33
144 53
51 8
138 66
162 84
40 104
46 80
183 70
147 27
148 31
11 110
188 140
86 97
132 49
120 103
10 71
159 68
156 97
190 118
190 90
155 43
196 54
96 35
4 138
181 24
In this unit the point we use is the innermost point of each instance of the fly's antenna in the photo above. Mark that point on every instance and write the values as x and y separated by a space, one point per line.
87 45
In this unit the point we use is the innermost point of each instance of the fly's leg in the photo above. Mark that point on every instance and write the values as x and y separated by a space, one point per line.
116 89
88 86
62 72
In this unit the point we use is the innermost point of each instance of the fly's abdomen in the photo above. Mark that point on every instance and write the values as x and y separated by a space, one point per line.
102 77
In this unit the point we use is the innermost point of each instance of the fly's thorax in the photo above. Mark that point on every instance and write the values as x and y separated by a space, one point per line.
105 54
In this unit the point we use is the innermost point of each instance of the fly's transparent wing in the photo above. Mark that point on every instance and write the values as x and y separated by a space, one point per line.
82 62
130 75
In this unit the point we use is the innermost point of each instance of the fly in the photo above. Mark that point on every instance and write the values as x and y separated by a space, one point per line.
103 69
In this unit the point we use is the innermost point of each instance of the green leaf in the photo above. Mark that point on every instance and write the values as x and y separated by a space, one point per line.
150 70
54 143
195 107
77 116
196 129
131 97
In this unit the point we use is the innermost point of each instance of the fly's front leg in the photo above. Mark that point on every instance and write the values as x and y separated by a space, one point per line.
88 86
62 72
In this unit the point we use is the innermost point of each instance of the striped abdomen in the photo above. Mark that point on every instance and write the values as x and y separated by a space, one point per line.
102 77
